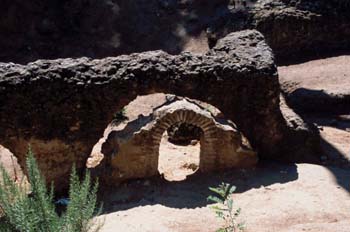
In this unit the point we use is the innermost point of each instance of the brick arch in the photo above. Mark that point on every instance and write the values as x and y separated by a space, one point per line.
132 150
207 124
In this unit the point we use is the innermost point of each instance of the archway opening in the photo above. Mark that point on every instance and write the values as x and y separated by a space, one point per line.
179 151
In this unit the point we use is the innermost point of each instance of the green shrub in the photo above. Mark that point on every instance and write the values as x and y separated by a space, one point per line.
33 210
224 208
120 116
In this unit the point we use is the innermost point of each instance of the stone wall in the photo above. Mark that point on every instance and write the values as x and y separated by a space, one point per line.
295 29
61 107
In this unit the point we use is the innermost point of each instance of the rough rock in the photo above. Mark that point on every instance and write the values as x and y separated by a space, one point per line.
131 150
295 29
61 107
9 162
301 132
53 29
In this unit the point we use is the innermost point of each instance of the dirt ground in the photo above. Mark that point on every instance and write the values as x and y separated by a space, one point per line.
273 196
331 74
176 162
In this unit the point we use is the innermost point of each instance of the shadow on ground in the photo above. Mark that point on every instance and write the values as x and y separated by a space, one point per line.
318 103
333 114
335 157
193 192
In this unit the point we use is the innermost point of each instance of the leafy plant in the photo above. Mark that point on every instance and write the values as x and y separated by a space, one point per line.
224 208
33 209
120 116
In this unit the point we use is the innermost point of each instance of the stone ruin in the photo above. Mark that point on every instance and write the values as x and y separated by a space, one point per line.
61 107
131 150
294 29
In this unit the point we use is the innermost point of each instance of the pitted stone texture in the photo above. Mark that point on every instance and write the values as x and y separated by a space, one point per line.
132 149
255 49
64 105
35 29
295 29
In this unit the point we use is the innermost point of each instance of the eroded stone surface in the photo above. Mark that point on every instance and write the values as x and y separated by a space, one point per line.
71 101
295 29
302 133
35 29
9 162
132 149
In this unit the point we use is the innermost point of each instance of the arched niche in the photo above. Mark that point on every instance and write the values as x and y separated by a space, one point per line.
132 151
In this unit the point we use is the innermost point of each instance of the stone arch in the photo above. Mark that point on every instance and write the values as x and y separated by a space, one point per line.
61 107
138 143
207 124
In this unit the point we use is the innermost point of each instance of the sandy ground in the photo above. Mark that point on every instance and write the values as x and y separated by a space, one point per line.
177 162
273 197
335 138
331 75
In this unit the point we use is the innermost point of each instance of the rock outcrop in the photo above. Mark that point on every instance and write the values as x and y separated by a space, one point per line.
295 29
61 107
9 162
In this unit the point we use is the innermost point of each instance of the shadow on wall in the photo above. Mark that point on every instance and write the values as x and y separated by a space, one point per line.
98 29
51 29
132 150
